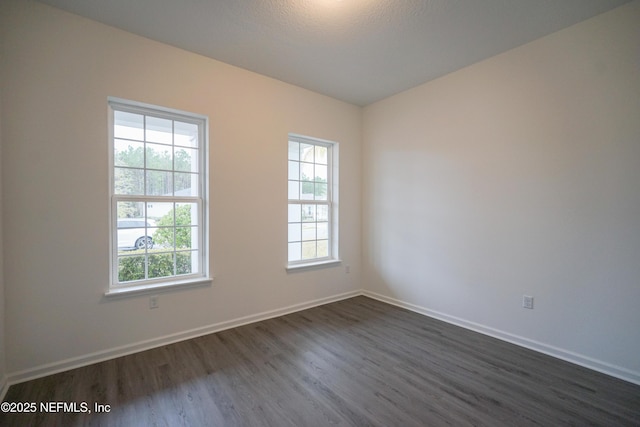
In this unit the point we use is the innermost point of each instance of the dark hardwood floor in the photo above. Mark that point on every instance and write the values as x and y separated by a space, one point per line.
357 362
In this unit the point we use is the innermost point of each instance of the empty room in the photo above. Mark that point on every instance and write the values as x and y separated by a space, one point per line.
319 212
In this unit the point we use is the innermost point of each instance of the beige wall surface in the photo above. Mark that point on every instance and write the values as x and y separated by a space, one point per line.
59 70
517 175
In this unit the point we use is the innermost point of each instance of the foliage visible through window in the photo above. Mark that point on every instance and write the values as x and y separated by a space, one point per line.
157 194
310 202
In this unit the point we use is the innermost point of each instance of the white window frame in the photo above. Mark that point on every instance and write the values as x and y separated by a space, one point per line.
200 277
331 203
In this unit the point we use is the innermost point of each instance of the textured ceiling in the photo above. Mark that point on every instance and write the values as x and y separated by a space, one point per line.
359 51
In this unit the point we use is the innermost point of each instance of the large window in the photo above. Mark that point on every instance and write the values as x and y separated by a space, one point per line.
158 205
312 235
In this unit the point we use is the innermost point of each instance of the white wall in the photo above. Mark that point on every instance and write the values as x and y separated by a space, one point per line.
59 71
517 175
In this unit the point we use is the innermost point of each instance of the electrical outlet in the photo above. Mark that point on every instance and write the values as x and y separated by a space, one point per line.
347 269
527 302
153 302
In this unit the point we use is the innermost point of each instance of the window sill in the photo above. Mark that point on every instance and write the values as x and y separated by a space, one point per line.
126 291
312 265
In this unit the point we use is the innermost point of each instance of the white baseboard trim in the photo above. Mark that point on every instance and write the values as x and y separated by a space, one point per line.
100 356
566 355
4 387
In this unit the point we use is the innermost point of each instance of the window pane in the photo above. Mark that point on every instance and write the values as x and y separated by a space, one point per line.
308 250
295 234
161 213
131 268
195 239
161 265
322 212
323 248
321 173
308 213
146 242
128 125
186 159
133 239
187 214
321 154
159 183
128 153
306 153
128 181
294 170
321 191
186 134
295 251
132 227
184 237
127 211
322 230
306 190
306 172
294 150
184 262
309 231
159 130
294 213
159 157
163 237
294 190
186 184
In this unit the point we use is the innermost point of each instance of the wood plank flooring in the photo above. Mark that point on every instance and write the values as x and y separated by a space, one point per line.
357 362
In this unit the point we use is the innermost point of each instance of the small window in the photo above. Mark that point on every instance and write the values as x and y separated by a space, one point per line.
312 236
158 203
